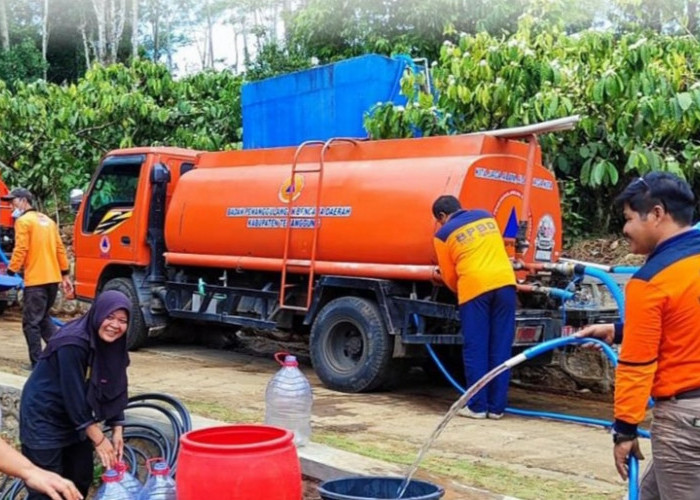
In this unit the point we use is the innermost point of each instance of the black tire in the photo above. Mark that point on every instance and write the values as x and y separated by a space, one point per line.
3 306
351 350
137 334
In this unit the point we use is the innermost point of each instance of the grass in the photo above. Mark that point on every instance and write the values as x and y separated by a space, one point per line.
217 411
474 473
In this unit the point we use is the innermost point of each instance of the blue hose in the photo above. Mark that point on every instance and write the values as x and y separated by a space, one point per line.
633 477
624 269
562 294
612 286
633 463
537 350
9 282
550 345
3 258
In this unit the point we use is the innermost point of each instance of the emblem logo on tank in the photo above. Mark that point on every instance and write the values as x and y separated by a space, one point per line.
289 191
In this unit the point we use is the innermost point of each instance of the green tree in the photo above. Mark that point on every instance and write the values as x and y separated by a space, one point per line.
273 60
54 135
22 62
638 95
671 16
336 29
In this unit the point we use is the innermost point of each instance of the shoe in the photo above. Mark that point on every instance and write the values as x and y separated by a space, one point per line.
494 416
466 412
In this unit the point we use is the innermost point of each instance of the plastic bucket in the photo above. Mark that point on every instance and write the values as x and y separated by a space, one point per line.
376 488
238 462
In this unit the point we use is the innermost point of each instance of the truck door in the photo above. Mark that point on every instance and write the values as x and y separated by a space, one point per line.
109 221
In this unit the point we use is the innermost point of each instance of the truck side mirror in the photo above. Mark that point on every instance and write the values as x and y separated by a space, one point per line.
76 198
160 174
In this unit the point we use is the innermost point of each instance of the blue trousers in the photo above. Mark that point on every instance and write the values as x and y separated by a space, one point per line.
488 329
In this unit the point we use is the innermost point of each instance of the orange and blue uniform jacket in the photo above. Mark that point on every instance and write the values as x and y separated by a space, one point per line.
38 250
660 352
471 255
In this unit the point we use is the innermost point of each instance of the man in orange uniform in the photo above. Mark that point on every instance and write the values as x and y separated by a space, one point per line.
39 251
474 264
660 352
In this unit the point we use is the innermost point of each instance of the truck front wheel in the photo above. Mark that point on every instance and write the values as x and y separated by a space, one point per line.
137 334
351 350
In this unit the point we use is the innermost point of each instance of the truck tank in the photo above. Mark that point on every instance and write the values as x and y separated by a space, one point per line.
374 205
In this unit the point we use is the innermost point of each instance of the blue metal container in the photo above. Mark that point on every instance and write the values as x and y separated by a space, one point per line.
319 103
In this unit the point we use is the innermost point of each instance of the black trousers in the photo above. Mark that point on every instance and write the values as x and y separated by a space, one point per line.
74 462
36 322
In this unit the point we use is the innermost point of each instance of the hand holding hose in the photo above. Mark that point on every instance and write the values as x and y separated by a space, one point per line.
621 453
604 332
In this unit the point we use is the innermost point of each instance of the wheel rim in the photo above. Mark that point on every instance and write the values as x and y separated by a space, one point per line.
345 347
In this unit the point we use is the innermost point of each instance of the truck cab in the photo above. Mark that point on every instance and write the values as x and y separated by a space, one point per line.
118 226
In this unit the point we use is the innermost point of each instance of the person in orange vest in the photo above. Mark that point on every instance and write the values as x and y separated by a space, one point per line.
474 264
40 254
660 351
13 463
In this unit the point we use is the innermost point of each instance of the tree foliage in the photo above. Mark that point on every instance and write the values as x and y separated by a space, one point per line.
53 136
336 29
638 95
22 62
498 63
669 16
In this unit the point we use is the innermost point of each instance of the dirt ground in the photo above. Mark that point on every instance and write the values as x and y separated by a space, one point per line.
521 457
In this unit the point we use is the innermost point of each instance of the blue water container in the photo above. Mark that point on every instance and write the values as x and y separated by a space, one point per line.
319 103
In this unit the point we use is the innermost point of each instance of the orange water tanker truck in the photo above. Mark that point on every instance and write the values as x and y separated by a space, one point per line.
332 239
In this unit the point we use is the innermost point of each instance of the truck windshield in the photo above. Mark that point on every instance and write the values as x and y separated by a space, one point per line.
114 189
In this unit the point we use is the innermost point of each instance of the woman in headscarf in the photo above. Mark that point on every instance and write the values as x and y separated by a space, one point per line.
79 382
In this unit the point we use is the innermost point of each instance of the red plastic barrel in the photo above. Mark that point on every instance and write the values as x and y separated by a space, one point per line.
238 462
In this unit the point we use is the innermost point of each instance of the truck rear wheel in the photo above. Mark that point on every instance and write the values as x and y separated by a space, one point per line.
351 350
137 334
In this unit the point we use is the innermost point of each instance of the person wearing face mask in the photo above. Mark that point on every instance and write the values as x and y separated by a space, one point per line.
40 254
79 382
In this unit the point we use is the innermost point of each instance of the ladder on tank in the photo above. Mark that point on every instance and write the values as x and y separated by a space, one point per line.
310 265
